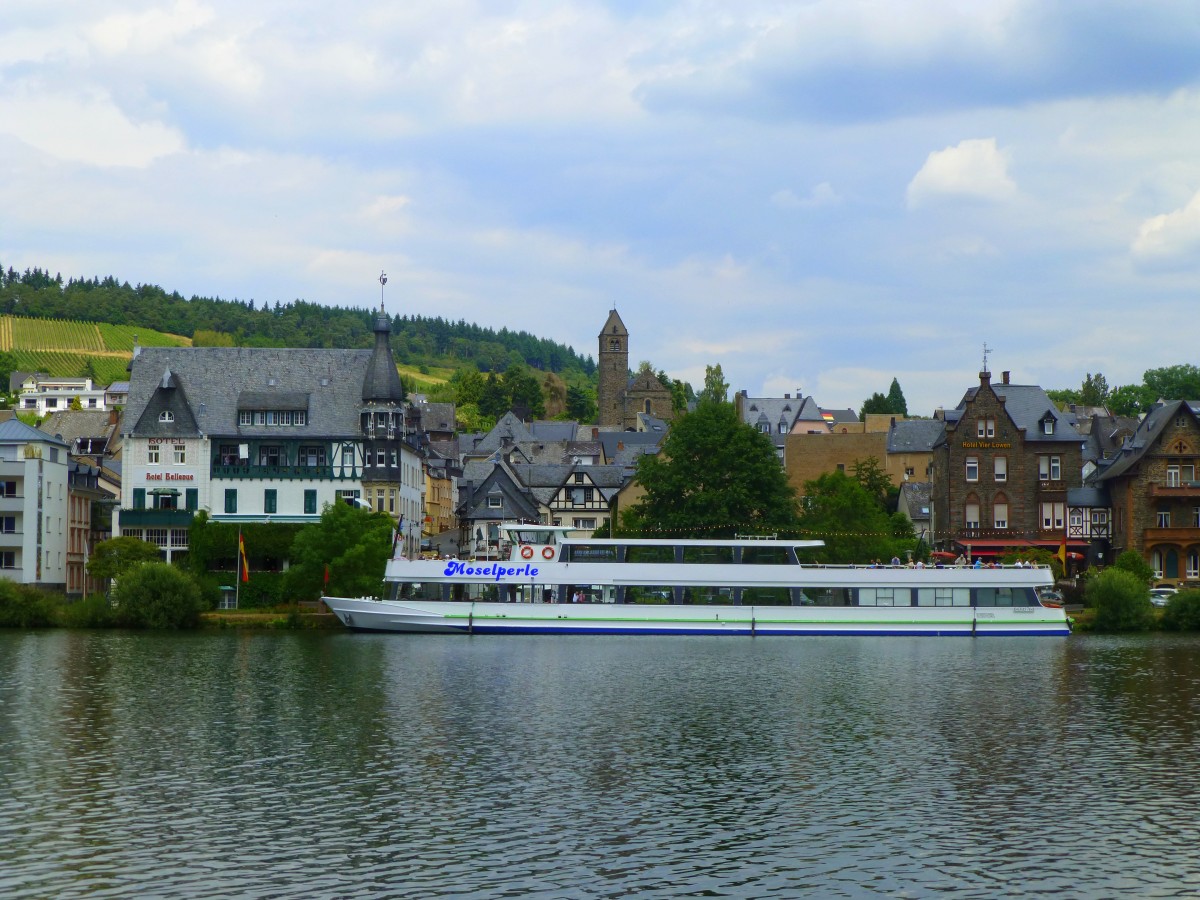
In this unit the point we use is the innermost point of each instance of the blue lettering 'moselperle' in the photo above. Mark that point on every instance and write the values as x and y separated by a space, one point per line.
498 572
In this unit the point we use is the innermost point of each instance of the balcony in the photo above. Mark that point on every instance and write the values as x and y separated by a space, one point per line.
306 473
155 518
1175 535
1185 490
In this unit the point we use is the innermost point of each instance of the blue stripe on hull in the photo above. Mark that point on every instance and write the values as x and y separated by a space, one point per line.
747 632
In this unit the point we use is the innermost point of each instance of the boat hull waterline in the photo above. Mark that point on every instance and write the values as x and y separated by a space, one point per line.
432 617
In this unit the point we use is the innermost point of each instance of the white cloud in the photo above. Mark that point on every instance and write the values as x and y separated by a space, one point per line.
822 194
87 128
974 169
1171 236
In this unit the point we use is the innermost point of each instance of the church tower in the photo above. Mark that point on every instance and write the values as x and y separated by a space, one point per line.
381 418
614 372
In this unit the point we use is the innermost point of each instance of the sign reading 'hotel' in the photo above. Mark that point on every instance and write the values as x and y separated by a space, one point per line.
987 445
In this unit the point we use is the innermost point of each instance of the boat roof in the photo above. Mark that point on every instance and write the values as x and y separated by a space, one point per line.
692 542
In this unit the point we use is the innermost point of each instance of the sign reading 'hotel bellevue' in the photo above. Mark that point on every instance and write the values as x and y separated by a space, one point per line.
987 445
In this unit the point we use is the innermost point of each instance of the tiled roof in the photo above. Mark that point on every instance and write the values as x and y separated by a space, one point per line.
914 435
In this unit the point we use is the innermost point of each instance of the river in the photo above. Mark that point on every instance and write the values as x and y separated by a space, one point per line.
261 764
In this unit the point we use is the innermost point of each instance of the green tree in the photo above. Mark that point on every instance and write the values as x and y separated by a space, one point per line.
1132 562
876 482
157 595
581 405
1094 391
838 510
554 395
716 388
1121 601
353 543
876 404
468 386
715 477
523 389
1183 612
1127 400
116 556
494 401
898 405
1180 382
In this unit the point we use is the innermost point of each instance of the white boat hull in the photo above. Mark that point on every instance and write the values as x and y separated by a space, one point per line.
600 618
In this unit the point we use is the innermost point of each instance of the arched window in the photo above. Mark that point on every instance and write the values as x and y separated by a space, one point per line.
166 416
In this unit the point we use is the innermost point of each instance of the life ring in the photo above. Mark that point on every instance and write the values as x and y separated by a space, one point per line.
526 552
548 552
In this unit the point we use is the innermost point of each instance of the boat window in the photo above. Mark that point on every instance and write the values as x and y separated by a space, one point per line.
814 597
890 596
1004 596
532 537
591 553
410 590
648 593
943 596
772 596
708 595
773 556
649 554
708 554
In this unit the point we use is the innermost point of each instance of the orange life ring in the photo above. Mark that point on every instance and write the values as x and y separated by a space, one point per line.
548 552
526 551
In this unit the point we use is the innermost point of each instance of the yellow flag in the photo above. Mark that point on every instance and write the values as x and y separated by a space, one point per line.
1062 555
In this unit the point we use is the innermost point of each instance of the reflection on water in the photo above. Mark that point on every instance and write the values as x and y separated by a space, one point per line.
361 765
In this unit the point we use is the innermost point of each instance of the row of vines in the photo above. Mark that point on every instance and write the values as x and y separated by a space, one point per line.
18 333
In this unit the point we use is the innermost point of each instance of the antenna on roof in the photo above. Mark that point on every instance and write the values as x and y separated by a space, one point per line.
382 282
986 351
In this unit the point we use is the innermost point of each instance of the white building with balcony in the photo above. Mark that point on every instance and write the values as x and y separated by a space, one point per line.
44 394
33 506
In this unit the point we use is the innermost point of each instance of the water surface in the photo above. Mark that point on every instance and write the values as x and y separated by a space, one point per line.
340 765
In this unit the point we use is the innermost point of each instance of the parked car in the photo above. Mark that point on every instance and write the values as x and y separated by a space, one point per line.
1160 595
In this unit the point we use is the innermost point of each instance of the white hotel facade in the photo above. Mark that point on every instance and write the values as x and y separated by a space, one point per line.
264 435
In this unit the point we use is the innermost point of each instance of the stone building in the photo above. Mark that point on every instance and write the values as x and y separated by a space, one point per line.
620 398
1154 490
1001 470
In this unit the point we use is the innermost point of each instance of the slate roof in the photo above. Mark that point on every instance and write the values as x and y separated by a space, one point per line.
633 444
771 411
1026 404
436 416
212 379
914 435
16 430
916 500
73 424
381 382
546 430
1146 437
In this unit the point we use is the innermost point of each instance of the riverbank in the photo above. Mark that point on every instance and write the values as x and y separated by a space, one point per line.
306 616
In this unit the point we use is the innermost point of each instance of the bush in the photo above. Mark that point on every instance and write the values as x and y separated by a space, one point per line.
1182 612
157 595
94 612
1121 601
1131 561
22 606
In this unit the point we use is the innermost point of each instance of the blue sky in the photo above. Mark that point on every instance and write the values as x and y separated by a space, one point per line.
815 195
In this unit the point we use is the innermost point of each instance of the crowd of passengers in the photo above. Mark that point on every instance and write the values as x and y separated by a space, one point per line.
960 563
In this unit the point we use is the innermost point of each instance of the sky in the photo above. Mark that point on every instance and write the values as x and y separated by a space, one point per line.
820 195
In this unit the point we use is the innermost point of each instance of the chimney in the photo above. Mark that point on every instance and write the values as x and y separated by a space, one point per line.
595 433
985 378
620 445
1004 377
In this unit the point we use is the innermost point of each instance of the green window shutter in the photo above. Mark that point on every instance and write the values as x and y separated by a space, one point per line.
231 500
310 503
139 498
269 503
192 499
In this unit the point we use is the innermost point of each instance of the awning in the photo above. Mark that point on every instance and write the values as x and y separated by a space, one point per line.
164 491
991 544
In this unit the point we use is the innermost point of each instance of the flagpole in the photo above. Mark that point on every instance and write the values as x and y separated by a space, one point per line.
237 581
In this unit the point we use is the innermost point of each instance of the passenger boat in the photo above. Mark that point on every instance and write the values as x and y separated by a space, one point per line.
551 583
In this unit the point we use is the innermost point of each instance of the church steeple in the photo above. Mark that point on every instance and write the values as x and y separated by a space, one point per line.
614 372
382 384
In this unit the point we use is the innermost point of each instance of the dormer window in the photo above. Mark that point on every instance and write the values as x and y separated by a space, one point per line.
166 416
1048 426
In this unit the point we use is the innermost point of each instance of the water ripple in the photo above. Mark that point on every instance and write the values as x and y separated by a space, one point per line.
365 766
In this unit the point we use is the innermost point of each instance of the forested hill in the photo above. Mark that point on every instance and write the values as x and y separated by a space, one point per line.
416 339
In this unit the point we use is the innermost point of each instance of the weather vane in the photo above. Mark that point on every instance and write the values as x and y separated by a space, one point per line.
382 282
986 351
